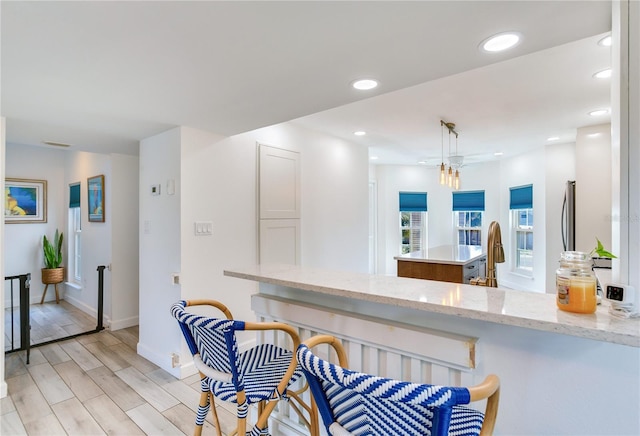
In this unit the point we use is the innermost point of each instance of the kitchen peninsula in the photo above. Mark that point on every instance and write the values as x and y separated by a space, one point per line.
447 263
587 366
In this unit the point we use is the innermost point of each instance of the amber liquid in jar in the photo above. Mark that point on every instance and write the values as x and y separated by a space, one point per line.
576 283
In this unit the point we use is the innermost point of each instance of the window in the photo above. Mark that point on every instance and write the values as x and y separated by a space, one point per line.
469 228
75 233
467 216
521 205
413 221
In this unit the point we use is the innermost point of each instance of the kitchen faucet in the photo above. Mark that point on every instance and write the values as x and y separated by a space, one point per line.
495 254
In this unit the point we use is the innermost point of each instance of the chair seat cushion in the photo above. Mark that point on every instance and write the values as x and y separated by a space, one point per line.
366 416
262 368
465 421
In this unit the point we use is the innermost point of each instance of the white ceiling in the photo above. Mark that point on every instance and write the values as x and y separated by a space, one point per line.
103 75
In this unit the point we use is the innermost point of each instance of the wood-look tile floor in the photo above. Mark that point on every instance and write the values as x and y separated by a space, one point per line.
48 321
97 384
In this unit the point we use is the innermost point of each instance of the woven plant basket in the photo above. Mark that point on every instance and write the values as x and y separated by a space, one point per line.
51 276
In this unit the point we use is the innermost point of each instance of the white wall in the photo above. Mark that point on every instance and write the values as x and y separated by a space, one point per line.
593 187
96 237
547 169
625 113
159 249
216 177
526 169
634 144
3 384
392 179
559 168
124 242
23 242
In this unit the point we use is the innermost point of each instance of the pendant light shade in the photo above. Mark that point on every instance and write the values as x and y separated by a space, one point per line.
452 176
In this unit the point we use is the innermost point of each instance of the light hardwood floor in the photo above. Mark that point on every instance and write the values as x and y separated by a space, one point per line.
49 321
97 384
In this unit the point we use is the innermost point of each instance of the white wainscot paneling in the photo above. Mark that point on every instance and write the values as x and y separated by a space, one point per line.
373 345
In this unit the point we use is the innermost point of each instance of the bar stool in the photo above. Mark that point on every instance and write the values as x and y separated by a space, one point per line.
355 403
261 375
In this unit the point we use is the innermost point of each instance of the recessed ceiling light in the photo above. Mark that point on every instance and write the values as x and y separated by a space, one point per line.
604 74
605 42
593 135
553 138
599 112
422 162
360 133
500 42
374 158
365 84
498 153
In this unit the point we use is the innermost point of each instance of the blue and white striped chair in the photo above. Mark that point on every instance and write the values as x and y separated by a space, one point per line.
354 403
260 375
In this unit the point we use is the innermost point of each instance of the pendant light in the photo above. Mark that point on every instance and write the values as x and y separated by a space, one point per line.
442 173
456 183
450 177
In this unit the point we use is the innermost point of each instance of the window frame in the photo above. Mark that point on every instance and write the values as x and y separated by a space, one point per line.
74 236
527 232
413 226
414 205
521 199
467 228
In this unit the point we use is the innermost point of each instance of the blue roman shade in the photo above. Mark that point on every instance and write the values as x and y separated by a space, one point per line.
468 201
74 195
521 197
413 202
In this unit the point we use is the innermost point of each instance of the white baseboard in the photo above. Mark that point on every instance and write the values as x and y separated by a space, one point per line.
3 389
124 323
164 362
106 321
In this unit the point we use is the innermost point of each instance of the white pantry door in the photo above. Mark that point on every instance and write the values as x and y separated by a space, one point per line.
278 205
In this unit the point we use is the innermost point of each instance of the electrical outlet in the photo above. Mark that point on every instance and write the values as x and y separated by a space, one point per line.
175 360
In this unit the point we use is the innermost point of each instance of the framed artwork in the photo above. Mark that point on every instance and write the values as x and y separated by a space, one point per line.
95 198
25 201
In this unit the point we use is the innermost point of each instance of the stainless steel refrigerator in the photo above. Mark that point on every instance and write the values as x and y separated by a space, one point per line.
568 225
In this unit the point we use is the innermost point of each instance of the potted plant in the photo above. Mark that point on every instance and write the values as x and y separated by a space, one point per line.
52 273
600 256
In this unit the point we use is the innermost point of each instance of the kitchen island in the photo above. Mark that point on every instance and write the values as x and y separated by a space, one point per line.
587 366
448 263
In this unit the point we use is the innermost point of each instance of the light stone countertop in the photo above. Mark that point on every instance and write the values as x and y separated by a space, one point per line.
502 306
447 254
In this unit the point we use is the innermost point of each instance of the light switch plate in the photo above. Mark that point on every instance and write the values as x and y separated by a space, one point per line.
203 228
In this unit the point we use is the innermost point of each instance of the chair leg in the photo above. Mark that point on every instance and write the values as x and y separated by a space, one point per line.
214 411
243 410
44 293
203 408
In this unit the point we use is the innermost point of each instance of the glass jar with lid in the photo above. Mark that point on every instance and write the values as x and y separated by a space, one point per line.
576 283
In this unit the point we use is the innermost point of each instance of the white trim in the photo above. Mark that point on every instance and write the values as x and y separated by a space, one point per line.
444 348
74 285
124 323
